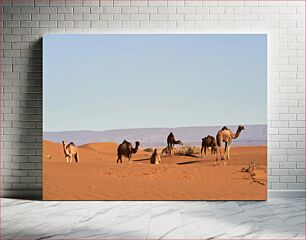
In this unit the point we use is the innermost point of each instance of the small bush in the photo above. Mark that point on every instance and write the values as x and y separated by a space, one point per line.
187 151
148 149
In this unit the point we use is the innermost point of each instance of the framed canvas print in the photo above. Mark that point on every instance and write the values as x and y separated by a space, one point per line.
155 117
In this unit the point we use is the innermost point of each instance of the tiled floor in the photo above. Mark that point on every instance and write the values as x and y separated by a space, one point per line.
273 219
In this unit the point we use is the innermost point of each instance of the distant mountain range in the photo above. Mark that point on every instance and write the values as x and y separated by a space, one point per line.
149 137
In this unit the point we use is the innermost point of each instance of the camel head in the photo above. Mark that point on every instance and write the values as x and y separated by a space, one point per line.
155 151
134 150
180 142
240 128
64 143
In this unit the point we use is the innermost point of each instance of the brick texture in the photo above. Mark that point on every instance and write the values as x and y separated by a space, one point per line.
25 22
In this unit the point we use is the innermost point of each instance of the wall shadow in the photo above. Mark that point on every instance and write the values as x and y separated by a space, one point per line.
31 109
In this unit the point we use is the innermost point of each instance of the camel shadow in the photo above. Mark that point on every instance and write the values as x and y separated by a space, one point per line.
141 160
189 162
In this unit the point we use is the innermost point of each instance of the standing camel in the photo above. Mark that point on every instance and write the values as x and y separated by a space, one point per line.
171 142
126 149
207 142
71 152
225 135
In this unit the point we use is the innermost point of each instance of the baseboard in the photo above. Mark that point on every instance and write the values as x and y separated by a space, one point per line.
22 194
286 194
37 194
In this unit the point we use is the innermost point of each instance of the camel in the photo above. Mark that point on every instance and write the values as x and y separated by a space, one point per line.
166 151
126 149
171 142
155 158
71 152
207 142
225 135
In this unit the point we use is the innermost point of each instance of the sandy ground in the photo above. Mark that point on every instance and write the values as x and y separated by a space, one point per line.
99 177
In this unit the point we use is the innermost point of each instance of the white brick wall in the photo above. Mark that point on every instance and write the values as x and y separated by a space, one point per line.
25 21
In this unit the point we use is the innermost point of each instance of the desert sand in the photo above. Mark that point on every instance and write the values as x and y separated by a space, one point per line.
98 177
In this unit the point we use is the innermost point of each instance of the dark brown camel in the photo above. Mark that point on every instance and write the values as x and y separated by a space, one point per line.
126 149
207 142
171 142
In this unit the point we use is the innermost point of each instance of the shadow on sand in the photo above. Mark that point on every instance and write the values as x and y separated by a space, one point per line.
141 160
189 162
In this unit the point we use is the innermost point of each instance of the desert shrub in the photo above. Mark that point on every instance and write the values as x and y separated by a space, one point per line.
148 149
187 151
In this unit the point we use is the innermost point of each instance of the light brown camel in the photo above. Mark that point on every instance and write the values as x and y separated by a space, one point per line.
225 135
126 149
155 158
207 142
171 142
71 152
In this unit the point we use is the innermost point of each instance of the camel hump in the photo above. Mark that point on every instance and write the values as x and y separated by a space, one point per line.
171 135
224 128
71 143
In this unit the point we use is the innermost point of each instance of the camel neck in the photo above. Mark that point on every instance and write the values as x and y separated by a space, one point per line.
65 149
236 134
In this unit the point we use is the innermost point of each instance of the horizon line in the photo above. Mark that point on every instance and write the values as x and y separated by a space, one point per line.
88 130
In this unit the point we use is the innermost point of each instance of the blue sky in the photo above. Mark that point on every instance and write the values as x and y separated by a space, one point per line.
116 81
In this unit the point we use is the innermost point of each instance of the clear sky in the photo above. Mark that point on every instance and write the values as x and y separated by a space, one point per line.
116 81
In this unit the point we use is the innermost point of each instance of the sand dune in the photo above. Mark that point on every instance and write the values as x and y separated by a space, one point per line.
98 177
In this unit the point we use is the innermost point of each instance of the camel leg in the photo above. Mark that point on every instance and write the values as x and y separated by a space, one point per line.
225 150
201 151
220 147
221 153
218 153
228 151
76 158
119 159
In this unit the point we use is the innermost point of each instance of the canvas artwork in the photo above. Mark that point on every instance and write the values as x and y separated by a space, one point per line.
155 117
